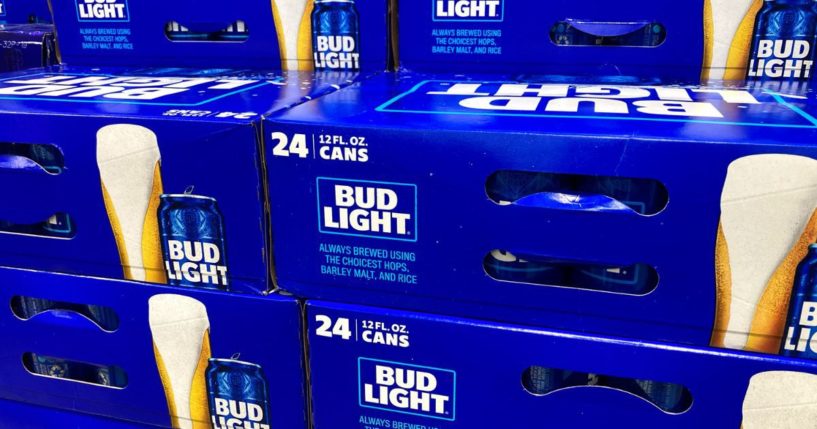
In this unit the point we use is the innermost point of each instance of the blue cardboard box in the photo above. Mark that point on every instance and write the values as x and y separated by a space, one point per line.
664 213
377 368
25 46
147 174
525 37
26 416
257 34
152 355
181 145
718 39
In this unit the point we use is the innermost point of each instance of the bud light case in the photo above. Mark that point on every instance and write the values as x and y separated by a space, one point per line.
176 357
592 207
378 368
152 175
799 340
770 40
338 35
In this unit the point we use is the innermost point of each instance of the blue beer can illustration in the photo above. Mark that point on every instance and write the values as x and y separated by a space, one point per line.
237 394
801 323
193 246
784 41
335 35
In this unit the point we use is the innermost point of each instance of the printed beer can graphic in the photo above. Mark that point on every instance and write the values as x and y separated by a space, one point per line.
336 35
784 41
237 393
192 235
801 324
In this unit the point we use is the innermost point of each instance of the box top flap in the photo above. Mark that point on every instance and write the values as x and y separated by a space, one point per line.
183 94
719 112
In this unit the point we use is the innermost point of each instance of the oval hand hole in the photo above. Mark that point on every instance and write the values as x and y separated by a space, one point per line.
635 279
235 32
25 156
26 307
59 226
643 197
670 398
638 34
65 369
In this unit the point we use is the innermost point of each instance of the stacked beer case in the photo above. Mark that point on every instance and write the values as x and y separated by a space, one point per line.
591 213
545 218
135 238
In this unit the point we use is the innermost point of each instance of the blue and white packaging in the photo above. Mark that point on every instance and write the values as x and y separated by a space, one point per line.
718 39
172 157
378 368
662 213
95 155
144 354
525 37
256 34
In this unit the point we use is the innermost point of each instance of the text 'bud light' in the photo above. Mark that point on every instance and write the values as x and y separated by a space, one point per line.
102 10
800 333
405 388
368 209
461 10
237 394
335 35
784 41
193 244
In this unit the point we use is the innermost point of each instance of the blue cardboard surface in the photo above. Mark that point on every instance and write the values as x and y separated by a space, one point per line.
132 33
26 416
430 143
207 126
262 330
515 37
460 373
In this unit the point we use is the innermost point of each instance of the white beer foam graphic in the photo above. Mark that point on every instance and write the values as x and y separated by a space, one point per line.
766 203
178 325
290 13
781 399
727 16
127 157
